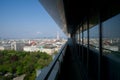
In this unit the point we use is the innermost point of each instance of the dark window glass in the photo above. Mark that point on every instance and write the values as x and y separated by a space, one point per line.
93 20
111 35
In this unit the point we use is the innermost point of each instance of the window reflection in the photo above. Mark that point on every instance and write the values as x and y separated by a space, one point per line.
77 37
94 31
111 35
81 34
85 35
85 39
94 37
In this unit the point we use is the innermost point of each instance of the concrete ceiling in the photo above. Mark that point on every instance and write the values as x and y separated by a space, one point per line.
70 13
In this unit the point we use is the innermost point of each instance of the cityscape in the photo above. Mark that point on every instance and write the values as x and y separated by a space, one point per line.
54 40
29 39
109 45
33 45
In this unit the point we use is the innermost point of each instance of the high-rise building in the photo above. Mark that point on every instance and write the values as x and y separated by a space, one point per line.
88 25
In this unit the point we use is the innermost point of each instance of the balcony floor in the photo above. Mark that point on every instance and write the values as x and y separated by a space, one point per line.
71 69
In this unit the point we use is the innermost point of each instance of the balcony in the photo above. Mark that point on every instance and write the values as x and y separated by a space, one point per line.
90 26
73 63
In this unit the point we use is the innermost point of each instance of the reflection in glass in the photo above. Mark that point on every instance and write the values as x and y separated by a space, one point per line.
111 35
94 31
81 35
85 35
94 37
81 38
77 37
85 39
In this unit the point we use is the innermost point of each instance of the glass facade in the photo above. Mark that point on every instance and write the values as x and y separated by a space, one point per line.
77 37
94 37
102 37
99 45
81 36
85 34
111 35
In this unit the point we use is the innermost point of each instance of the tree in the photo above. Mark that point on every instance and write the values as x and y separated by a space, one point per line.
21 62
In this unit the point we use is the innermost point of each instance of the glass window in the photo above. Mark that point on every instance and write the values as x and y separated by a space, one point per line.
85 35
81 35
77 37
94 37
93 20
85 38
94 32
111 35
81 38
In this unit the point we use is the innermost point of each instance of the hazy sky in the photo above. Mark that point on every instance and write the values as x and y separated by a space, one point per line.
25 19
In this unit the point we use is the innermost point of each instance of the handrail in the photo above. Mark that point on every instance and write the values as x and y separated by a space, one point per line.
52 64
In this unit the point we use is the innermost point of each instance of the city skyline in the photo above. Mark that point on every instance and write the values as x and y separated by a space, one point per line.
26 19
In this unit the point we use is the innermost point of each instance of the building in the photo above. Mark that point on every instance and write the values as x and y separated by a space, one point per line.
87 23
49 51
6 46
31 49
17 46
2 48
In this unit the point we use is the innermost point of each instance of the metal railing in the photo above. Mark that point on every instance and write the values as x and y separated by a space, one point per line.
52 70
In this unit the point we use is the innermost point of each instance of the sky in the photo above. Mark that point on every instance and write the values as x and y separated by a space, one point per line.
26 19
